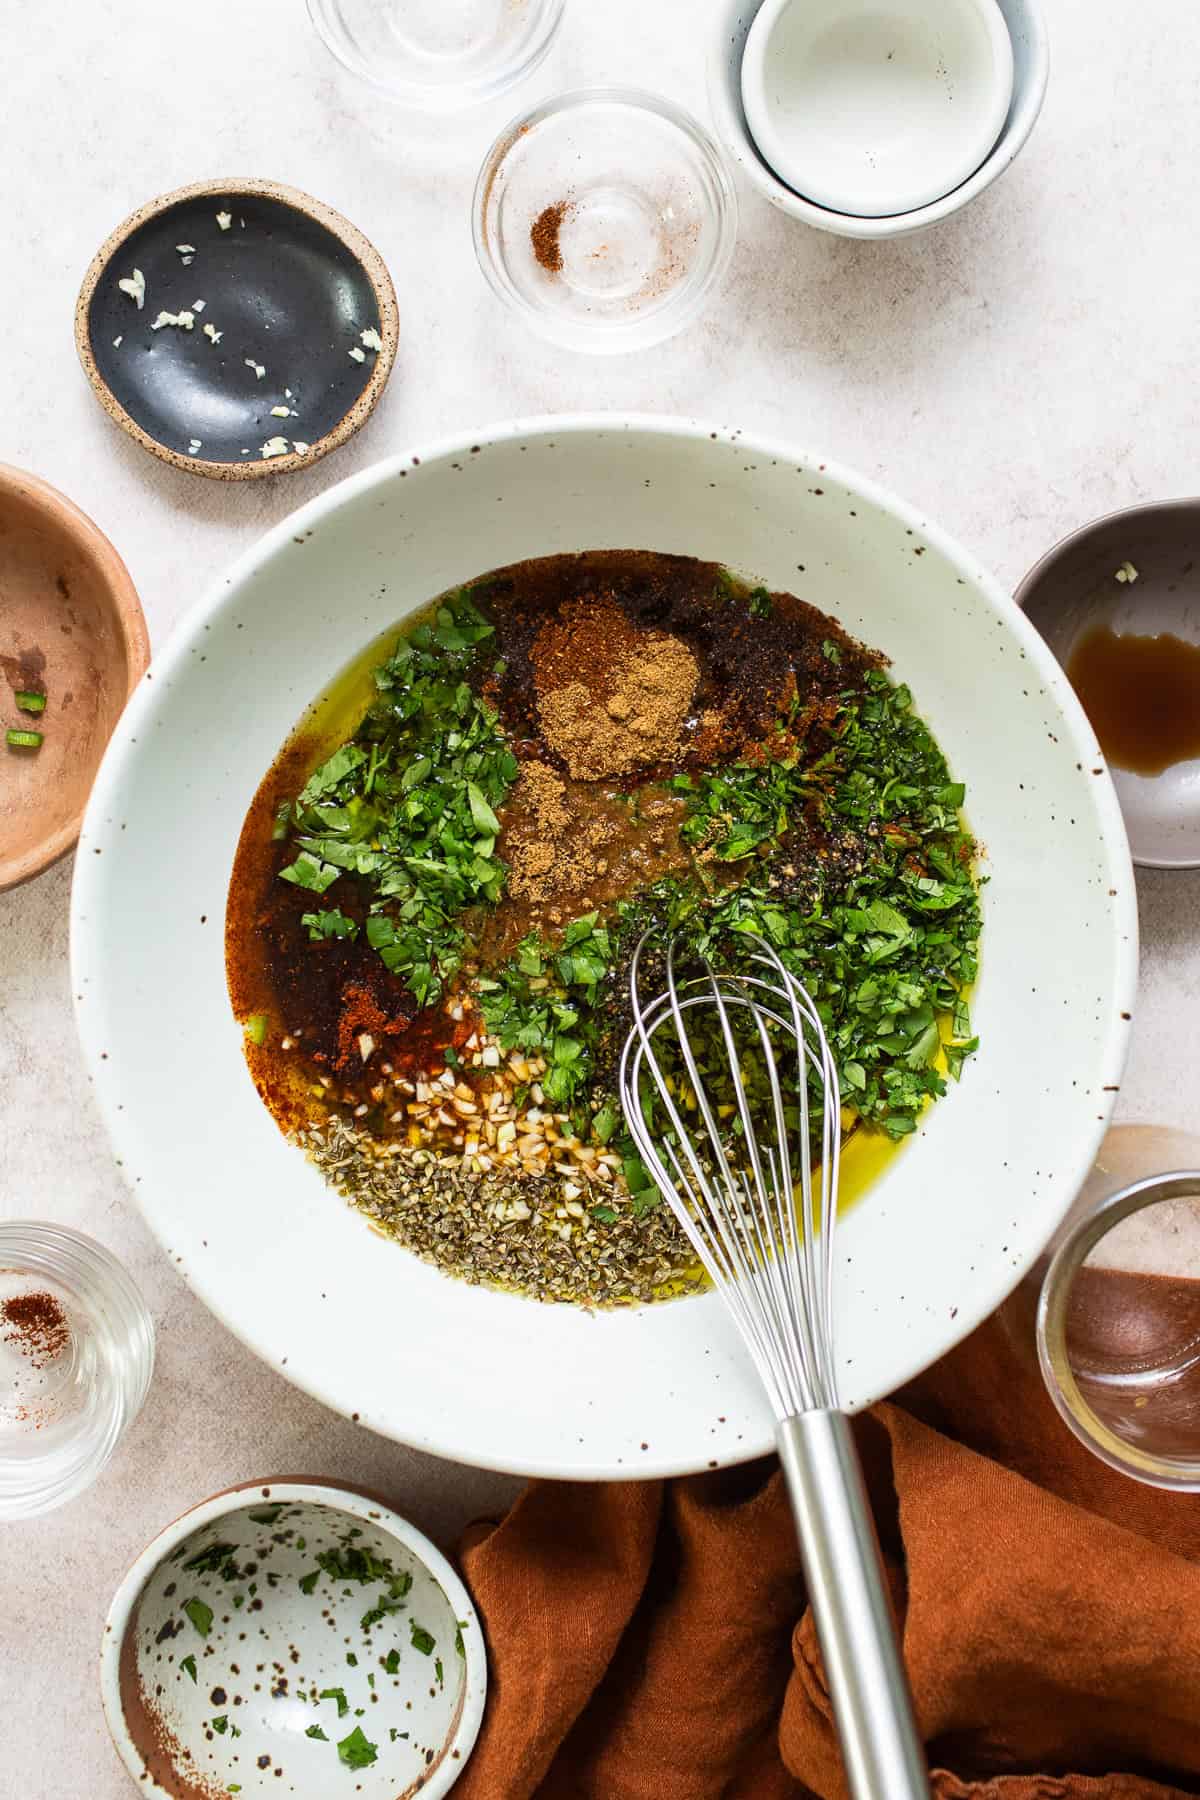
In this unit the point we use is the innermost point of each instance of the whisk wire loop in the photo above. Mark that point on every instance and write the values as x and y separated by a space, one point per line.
757 1213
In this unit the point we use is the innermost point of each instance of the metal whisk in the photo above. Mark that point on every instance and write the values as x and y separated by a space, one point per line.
738 1172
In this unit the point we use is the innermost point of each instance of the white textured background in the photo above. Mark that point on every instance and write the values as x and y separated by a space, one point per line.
1029 364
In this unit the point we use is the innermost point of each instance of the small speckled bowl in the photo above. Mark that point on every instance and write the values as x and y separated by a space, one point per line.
237 328
291 1636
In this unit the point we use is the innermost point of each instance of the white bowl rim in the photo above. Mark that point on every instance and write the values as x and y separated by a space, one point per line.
773 148
122 1127
290 1489
734 136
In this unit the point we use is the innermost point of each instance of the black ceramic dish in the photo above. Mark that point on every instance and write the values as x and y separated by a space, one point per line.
254 333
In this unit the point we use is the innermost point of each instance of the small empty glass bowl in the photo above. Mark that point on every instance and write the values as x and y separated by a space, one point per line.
434 57
605 218
76 1356
1118 1329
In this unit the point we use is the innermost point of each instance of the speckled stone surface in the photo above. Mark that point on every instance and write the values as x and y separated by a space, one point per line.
1027 365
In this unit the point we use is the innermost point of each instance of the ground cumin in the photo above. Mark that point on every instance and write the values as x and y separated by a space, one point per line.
611 697
543 235
552 848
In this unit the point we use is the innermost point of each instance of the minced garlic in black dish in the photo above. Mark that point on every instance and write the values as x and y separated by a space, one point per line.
441 881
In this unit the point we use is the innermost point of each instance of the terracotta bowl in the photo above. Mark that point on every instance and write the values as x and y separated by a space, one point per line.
71 628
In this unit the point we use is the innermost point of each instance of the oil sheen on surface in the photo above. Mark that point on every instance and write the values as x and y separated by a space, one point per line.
1142 695
257 982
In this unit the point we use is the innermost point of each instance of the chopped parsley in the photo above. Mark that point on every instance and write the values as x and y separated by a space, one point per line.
264 1515
338 1694
391 1662
314 1731
308 1582
438 1671
188 1665
422 1640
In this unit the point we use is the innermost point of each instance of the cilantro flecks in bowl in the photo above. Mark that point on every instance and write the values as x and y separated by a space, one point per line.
441 880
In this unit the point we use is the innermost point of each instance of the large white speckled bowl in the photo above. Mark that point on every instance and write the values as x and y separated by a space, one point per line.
487 1377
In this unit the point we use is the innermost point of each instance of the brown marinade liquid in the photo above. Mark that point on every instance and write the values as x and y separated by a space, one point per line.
1142 695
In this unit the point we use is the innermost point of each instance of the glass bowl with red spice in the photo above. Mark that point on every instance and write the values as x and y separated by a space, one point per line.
606 218
76 1357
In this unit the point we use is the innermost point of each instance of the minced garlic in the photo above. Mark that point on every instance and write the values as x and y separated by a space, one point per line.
135 286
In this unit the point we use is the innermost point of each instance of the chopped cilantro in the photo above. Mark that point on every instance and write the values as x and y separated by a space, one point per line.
308 1582
188 1665
338 1694
438 1671
357 1751
409 806
422 1640
391 1662
264 1515
332 924
353 1564
201 1615
217 1558
310 872
221 1723
352 1659
314 1731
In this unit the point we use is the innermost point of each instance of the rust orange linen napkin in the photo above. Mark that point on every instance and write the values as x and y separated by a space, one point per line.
649 1641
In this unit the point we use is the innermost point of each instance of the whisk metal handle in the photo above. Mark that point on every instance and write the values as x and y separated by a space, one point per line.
871 1700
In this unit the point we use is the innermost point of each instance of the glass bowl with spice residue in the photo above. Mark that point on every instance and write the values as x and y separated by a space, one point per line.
76 1356
606 218
430 57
